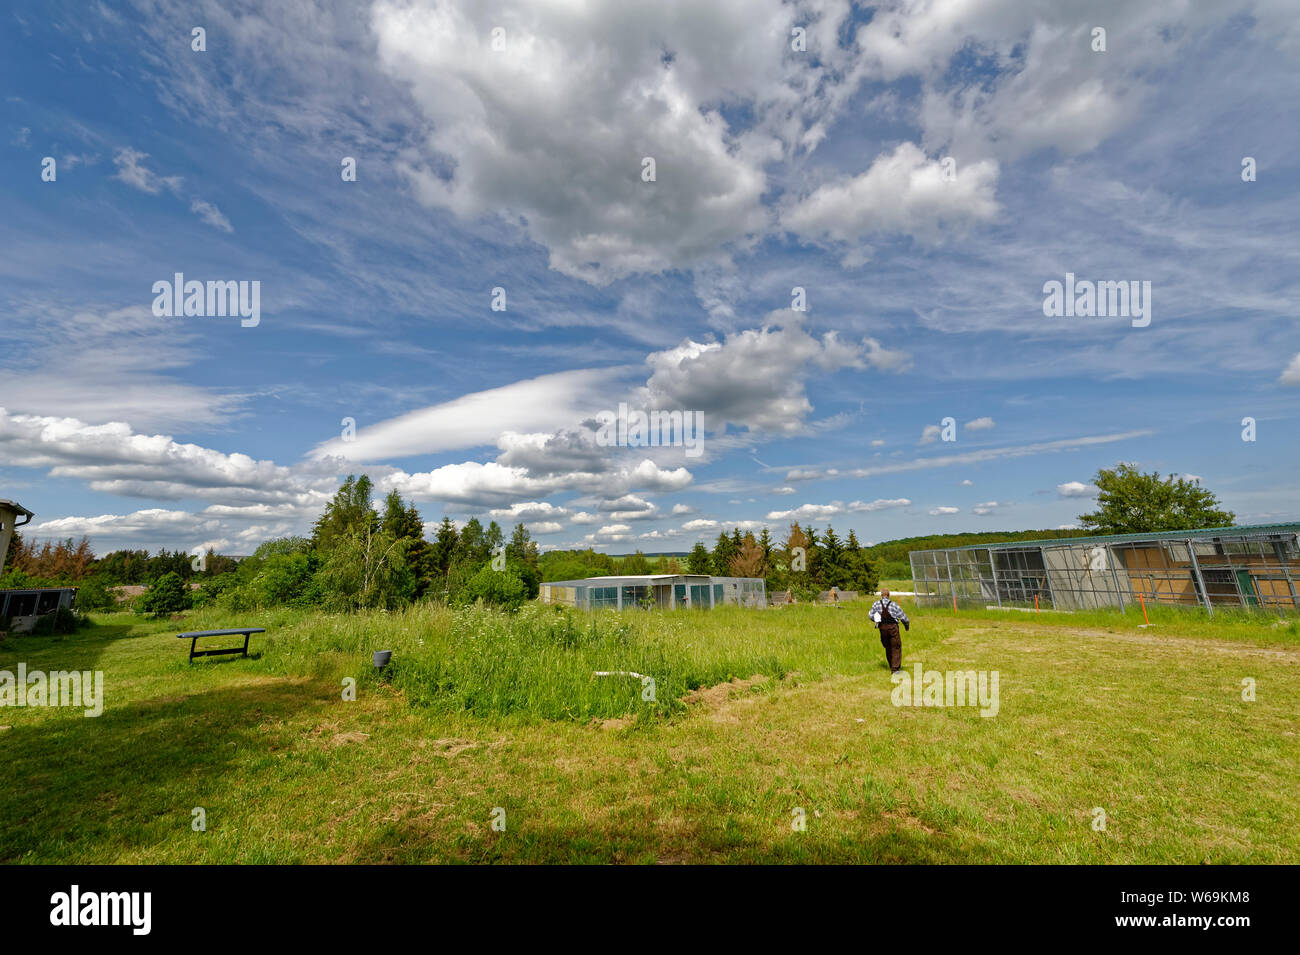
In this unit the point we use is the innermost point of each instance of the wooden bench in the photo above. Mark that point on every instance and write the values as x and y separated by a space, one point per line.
196 635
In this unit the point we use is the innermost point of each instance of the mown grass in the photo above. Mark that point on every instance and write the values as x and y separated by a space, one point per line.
480 710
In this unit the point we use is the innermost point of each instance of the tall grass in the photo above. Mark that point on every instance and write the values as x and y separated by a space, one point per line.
540 661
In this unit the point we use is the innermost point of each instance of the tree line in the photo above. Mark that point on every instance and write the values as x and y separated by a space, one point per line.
360 557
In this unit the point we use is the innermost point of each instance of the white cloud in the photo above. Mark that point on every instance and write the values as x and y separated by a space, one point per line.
132 171
979 424
938 511
1291 376
807 512
755 379
930 434
879 504
597 87
477 484
1075 489
528 511
210 214
699 525
988 507
902 192
115 459
821 512
547 404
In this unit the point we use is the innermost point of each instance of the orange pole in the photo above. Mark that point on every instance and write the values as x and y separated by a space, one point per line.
1144 610
1036 610
954 601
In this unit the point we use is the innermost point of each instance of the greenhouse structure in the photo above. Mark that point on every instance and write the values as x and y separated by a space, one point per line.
1252 567
666 591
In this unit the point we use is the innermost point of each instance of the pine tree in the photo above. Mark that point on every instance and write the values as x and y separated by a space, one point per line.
521 547
748 561
444 547
698 561
723 551
831 560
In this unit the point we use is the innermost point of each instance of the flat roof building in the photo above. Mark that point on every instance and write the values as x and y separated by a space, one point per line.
1253 567
665 591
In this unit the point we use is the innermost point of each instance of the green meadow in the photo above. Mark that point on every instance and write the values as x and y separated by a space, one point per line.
759 736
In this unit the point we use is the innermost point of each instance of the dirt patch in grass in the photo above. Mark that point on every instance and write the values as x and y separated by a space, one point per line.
342 739
714 696
909 821
621 723
451 748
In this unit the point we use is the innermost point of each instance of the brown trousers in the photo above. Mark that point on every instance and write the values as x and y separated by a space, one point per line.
893 644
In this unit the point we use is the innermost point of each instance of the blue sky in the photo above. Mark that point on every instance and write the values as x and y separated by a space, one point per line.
521 169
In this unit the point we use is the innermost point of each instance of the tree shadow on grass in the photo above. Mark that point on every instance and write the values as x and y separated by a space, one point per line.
879 841
80 649
81 789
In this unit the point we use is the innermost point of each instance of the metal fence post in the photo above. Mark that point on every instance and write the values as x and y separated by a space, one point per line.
1200 580
1110 556
1047 575
952 586
993 566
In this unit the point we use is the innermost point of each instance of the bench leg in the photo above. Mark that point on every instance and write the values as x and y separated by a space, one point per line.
247 636
193 643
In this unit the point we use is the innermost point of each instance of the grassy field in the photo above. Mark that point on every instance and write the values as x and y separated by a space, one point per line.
480 711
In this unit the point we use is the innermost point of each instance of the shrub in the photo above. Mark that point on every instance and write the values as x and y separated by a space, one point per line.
496 588
93 594
167 596
61 621
214 587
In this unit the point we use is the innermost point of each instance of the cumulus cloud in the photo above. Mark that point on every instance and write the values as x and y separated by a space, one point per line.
979 424
1291 376
529 511
756 378
821 512
902 192
490 484
113 458
699 524
149 528
1075 489
598 87
1041 86
941 511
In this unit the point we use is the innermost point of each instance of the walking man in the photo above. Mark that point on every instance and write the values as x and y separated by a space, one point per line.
887 615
